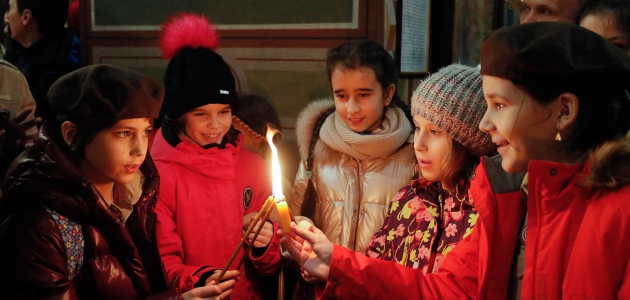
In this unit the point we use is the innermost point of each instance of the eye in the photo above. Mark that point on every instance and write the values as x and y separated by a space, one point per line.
147 131
340 96
226 111
123 133
434 132
498 106
364 95
417 128
199 113
544 11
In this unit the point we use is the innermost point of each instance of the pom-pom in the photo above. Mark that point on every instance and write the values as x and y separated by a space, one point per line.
187 30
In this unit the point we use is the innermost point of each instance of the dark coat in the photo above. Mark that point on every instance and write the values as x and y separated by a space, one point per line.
42 63
120 261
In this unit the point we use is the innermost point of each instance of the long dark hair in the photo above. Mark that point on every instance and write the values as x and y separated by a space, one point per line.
351 56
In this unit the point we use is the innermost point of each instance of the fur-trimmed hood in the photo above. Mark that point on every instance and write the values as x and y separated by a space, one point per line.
609 165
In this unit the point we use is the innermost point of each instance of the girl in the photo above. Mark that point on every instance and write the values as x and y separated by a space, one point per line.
208 182
610 19
355 150
429 217
81 200
559 113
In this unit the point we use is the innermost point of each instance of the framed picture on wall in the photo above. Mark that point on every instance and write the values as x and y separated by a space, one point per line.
412 49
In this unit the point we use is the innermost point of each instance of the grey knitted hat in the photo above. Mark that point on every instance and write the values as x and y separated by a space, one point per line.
452 99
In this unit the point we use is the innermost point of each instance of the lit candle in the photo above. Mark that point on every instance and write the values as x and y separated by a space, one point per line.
281 204
285 215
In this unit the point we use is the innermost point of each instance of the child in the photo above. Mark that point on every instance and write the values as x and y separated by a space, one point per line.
81 200
355 150
558 112
208 182
610 19
429 217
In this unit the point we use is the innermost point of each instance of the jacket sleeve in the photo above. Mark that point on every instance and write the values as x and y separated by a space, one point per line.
374 248
353 276
169 242
299 187
269 262
33 262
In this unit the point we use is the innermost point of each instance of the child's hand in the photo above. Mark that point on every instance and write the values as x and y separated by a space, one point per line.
310 248
265 235
212 290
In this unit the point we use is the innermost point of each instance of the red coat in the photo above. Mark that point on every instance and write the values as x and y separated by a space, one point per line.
575 249
204 194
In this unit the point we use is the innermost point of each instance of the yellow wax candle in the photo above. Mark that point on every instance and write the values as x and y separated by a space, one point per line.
285 216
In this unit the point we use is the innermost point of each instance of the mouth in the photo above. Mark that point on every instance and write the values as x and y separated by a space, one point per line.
211 136
423 163
355 120
132 168
501 145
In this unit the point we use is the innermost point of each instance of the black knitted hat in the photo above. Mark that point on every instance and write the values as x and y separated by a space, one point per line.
195 75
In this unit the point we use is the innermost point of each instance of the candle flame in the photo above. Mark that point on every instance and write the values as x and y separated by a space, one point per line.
275 165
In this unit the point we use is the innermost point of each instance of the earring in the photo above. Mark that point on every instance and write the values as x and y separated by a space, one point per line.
558 136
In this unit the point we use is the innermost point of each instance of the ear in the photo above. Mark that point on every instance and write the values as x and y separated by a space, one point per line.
388 94
568 107
27 17
68 131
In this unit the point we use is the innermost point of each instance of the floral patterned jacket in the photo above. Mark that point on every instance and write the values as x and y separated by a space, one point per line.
425 223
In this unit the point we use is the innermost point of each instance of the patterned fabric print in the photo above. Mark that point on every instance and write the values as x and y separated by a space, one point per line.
425 222
72 235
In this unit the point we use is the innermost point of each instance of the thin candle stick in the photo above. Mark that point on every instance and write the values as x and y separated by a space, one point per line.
251 226
251 243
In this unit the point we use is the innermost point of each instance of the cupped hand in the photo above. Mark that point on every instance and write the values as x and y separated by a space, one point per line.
310 248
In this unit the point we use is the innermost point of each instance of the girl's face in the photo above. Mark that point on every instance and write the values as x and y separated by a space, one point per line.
359 98
115 154
432 147
523 128
606 26
208 124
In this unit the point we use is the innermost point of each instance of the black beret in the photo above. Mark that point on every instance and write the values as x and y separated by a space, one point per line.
568 57
105 93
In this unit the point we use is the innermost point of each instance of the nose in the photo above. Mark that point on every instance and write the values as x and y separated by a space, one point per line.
486 125
213 121
419 142
139 145
527 17
352 106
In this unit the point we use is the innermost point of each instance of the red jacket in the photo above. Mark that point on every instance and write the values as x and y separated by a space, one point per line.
204 194
576 244
479 267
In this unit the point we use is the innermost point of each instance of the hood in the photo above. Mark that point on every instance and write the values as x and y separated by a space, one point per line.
609 165
212 162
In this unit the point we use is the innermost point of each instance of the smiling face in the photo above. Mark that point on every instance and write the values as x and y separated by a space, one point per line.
208 124
359 98
606 26
116 153
433 149
549 11
523 128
